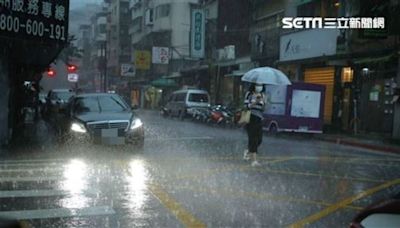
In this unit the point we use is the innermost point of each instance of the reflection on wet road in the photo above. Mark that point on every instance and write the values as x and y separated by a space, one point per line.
193 175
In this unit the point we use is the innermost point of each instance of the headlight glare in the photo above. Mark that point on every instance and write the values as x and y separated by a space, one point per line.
78 127
136 124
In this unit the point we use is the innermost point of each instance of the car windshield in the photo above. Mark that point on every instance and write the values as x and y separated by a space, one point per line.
198 97
63 95
86 104
112 104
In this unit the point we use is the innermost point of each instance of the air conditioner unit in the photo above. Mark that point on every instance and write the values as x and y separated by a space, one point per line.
221 54
148 18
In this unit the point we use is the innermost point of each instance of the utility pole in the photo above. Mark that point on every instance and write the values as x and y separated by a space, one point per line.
103 77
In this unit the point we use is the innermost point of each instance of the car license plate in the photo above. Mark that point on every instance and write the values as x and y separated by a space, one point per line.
107 133
113 140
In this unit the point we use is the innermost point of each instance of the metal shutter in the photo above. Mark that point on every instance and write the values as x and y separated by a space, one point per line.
323 76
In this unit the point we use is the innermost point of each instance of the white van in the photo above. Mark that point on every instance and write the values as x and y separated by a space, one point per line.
181 101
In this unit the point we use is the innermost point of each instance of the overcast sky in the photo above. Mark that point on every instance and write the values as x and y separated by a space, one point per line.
80 14
74 4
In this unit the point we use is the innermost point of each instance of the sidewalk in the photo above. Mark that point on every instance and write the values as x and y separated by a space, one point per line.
372 143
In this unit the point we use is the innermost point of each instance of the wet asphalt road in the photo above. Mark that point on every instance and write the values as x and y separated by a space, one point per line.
192 175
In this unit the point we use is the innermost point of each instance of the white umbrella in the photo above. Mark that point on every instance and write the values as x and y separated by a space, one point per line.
266 75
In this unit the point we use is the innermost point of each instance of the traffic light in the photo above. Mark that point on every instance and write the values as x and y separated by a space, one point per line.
72 68
51 73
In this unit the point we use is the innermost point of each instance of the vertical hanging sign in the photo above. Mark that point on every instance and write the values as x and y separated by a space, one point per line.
197 33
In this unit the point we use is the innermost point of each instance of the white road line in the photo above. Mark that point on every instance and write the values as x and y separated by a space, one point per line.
3 166
39 193
32 160
30 179
43 169
57 213
178 138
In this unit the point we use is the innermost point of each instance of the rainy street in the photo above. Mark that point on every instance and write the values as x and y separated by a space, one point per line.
190 175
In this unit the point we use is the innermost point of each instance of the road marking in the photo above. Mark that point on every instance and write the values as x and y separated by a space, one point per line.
350 160
268 170
279 160
315 217
30 179
185 217
179 138
57 213
32 161
228 168
22 165
39 193
235 193
42 169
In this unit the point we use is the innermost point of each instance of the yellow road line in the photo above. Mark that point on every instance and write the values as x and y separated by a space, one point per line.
228 168
186 218
269 170
315 217
236 194
315 174
280 160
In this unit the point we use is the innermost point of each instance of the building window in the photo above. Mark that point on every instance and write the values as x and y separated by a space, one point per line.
149 17
102 28
347 74
137 24
162 11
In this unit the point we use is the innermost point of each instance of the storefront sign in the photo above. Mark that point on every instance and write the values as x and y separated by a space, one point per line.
73 77
128 70
374 96
42 20
197 33
160 55
303 45
142 60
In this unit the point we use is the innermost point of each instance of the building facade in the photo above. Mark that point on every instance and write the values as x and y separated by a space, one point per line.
118 41
160 45
357 67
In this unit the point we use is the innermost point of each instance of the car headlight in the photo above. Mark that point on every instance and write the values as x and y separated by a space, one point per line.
78 127
136 123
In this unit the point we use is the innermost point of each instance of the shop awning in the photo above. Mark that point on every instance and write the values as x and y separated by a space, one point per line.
236 61
195 68
301 2
164 82
236 73
173 75
373 59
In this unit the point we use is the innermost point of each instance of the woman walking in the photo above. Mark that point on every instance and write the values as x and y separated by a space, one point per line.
255 102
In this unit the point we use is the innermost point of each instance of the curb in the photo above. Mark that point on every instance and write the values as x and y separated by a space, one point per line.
387 149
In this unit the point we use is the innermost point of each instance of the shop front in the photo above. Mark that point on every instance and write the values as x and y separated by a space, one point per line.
304 58
231 88
376 77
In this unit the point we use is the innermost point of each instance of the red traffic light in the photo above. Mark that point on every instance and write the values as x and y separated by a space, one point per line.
72 68
51 73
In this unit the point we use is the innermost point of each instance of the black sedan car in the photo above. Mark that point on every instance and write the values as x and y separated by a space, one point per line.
102 118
